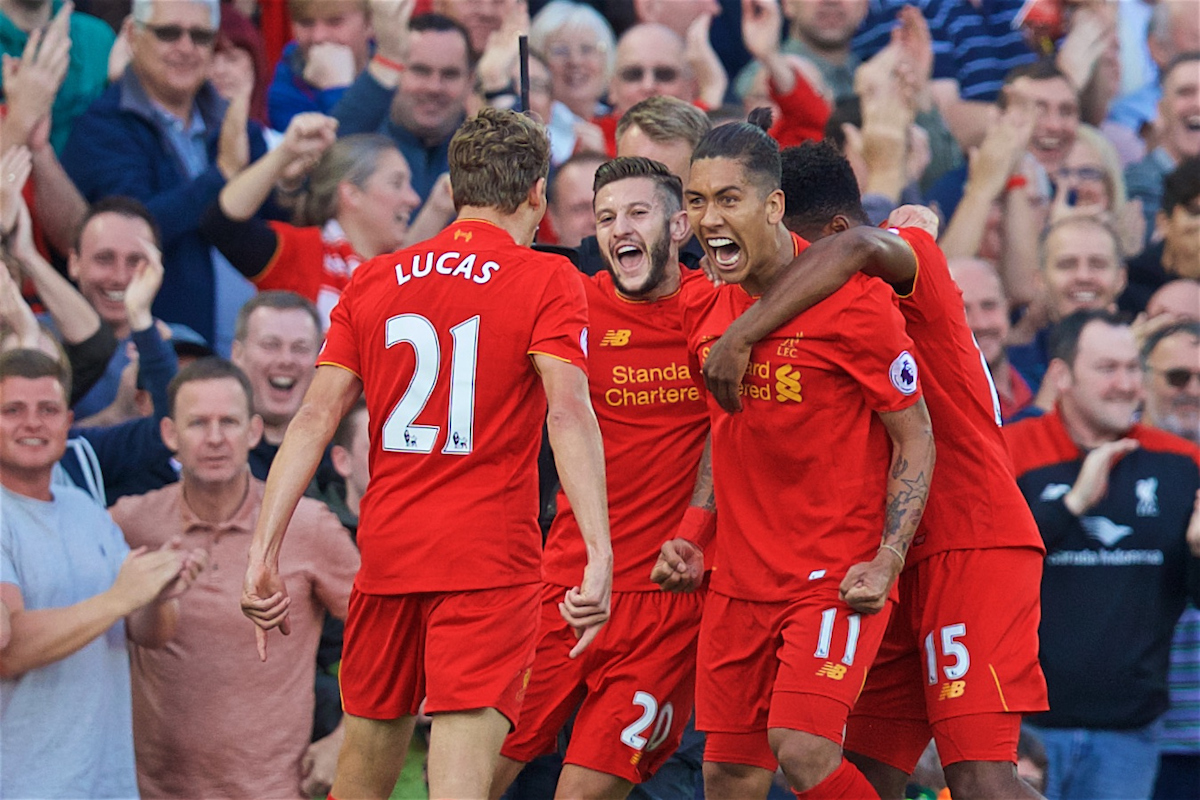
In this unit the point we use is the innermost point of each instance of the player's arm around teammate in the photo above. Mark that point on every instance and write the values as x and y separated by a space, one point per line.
817 272
579 456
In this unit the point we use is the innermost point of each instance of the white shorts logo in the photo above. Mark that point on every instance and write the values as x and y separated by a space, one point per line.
903 373
583 339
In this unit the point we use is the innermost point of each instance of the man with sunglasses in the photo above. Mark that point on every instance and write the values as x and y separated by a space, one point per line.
1171 361
1112 499
160 134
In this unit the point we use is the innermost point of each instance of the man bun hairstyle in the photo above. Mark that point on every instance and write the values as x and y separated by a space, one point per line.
747 143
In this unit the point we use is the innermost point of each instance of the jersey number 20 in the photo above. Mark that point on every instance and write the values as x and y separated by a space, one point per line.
400 434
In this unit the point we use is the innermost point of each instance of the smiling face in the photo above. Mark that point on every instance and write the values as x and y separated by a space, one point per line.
110 252
578 62
650 62
278 356
382 206
34 421
735 220
1082 269
1172 407
172 72
1101 391
434 85
1179 110
1056 114
639 231
1083 171
212 432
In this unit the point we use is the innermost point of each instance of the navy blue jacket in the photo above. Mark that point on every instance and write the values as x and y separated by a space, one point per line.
116 148
1116 578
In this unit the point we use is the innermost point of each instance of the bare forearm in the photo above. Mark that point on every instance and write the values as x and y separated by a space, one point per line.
48 635
1019 258
73 314
913 456
58 205
429 222
703 495
245 193
821 270
966 119
964 233
291 471
579 456
781 72
153 625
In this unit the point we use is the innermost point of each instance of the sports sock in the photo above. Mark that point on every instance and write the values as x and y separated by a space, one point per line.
844 783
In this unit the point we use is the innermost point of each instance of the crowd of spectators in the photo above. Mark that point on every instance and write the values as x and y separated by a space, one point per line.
190 179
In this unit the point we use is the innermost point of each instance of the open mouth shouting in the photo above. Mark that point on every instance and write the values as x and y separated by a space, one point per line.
726 253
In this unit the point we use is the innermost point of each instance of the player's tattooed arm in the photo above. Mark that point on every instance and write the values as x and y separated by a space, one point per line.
867 585
703 495
819 271
680 565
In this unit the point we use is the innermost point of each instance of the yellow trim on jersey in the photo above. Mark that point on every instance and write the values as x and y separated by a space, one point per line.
1003 702
549 355
341 366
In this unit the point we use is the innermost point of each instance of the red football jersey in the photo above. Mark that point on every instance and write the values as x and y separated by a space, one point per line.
801 472
312 262
441 335
973 501
654 423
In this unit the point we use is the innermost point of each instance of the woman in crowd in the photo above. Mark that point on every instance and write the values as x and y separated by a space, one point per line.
355 205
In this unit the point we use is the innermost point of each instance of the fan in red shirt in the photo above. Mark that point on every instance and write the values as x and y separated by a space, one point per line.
803 584
462 346
950 666
634 688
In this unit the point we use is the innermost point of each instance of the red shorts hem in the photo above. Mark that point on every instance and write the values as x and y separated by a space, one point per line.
750 749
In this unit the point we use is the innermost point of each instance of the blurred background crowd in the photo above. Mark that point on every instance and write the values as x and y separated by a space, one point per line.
183 178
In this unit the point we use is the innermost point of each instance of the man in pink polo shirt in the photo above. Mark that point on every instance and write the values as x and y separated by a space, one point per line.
192 698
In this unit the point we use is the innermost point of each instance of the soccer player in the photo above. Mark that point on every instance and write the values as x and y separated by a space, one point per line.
949 664
447 340
803 582
637 682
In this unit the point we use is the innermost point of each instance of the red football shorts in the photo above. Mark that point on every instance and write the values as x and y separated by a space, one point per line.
798 664
460 650
634 685
959 661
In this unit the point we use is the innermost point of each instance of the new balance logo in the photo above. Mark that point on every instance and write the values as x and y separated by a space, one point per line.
617 338
464 235
952 690
832 670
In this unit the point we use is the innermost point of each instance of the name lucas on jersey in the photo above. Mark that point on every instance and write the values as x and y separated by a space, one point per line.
441 264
